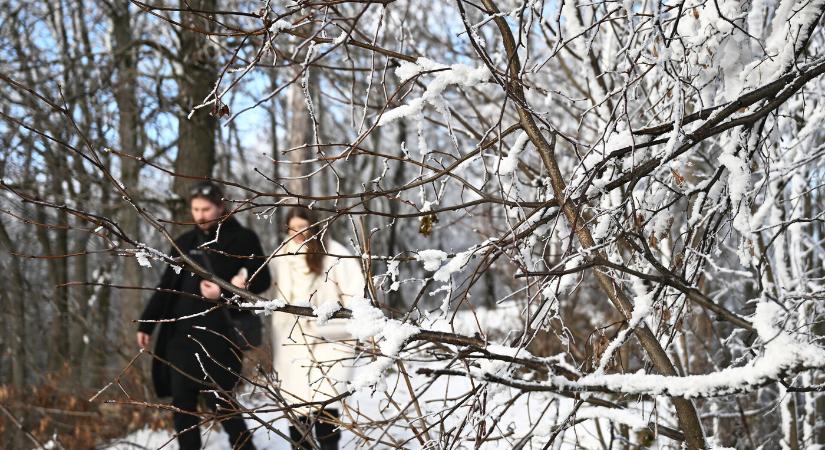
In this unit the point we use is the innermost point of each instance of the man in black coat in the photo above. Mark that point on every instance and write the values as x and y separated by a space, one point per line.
196 346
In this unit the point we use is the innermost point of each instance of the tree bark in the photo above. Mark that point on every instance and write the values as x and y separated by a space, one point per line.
17 324
299 138
129 130
196 143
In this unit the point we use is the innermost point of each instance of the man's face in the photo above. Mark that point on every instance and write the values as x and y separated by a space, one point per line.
205 213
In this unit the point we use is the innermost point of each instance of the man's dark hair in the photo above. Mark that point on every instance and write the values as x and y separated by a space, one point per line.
206 190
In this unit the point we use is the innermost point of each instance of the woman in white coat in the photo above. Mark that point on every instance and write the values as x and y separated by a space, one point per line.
310 362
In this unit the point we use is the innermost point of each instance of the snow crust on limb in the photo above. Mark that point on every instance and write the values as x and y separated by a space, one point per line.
325 311
455 264
143 258
266 308
642 306
782 352
369 322
432 259
280 25
739 184
790 29
455 74
507 165
625 417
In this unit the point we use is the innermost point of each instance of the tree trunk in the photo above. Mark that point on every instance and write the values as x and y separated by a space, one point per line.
275 147
129 129
299 134
17 324
56 245
196 142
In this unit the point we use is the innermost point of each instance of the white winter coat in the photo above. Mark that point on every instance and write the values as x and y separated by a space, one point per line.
310 365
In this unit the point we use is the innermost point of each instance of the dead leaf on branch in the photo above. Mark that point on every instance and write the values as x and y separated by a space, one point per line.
426 227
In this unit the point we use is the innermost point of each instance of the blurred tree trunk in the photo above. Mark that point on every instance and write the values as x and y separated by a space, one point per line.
299 136
275 147
55 244
396 300
196 143
129 129
17 323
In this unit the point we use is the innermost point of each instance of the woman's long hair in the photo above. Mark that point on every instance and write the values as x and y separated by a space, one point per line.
313 245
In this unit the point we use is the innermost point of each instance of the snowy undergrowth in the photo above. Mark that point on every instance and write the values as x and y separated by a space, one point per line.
534 415
516 422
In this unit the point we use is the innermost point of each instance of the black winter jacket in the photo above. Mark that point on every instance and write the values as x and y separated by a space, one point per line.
231 252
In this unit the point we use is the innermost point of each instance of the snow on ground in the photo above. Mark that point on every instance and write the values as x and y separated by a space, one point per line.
544 410
515 423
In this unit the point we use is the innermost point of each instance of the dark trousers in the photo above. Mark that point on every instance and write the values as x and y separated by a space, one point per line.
326 433
185 392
